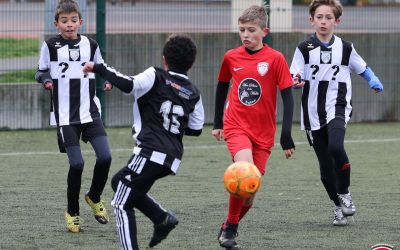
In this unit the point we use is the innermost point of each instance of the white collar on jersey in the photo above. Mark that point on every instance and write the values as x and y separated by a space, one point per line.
178 74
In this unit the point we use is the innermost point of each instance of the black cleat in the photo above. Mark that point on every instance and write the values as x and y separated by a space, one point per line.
235 247
162 230
227 235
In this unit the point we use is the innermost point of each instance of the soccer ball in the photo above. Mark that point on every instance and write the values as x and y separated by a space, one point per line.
242 179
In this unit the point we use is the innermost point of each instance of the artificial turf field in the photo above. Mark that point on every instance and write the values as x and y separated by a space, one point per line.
291 211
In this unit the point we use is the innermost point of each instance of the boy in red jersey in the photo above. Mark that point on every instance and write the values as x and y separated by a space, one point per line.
248 124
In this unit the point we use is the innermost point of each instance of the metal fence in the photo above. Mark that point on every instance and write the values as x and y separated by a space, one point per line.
135 32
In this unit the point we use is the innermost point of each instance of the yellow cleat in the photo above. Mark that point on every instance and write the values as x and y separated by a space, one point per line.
73 223
99 210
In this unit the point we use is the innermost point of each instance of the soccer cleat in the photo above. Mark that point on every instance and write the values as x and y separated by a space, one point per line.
227 235
73 223
235 247
348 207
98 209
339 219
162 230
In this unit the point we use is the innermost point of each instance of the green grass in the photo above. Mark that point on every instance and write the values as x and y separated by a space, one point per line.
291 211
11 47
19 76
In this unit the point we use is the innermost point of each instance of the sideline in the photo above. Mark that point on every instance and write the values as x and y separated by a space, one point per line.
219 145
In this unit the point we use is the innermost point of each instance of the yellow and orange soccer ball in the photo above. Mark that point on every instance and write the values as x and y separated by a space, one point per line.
242 179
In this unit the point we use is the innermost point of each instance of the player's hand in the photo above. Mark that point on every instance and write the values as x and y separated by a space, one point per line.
48 85
107 86
88 68
376 84
218 134
298 82
287 144
288 152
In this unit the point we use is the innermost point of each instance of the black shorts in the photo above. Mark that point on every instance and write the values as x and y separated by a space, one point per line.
70 134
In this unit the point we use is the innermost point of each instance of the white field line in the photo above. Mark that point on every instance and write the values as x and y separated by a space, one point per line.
218 145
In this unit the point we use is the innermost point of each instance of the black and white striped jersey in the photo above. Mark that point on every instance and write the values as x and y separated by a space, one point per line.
73 98
166 106
326 72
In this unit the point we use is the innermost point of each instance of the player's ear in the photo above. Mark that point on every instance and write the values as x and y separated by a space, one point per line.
337 21
165 63
266 31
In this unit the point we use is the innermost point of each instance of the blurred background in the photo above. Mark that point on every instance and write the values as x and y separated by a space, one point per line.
131 34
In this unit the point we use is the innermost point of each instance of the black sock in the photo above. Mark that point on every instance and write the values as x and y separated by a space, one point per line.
100 175
74 186
344 179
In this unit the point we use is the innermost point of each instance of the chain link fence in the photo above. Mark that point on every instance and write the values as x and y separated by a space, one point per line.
135 33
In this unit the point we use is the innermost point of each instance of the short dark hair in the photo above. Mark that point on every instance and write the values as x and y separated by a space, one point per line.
179 52
66 6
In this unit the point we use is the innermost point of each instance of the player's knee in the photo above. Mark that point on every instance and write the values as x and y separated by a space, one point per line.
104 160
115 181
114 184
335 149
77 164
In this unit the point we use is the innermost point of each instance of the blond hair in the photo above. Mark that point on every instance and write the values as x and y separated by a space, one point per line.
335 4
256 14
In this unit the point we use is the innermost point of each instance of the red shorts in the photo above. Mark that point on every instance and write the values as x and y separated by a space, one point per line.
241 141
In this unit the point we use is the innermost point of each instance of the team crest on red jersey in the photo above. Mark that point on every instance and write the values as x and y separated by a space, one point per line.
262 68
249 91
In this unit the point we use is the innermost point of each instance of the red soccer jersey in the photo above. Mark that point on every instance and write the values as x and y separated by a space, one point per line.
251 105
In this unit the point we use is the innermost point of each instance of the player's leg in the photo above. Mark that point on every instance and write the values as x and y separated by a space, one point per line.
70 139
260 156
163 220
240 148
142 175
336 134
260 159
327 172
124 213
94 133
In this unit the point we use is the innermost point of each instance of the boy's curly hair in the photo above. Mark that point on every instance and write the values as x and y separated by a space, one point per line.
67 6
179 52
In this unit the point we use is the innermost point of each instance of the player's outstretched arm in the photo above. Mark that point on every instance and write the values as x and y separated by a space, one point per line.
373 80
123 82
